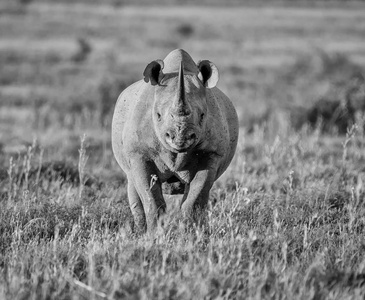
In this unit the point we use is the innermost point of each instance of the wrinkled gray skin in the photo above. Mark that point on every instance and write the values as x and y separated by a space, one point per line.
173 132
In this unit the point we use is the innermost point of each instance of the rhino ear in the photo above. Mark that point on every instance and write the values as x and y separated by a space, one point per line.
153 72
208 74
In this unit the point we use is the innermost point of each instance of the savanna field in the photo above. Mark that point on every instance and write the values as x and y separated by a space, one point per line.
286 220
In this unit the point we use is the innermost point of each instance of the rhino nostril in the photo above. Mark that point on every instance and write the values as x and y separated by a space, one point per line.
169 136
192 136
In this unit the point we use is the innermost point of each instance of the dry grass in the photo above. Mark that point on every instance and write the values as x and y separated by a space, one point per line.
285 221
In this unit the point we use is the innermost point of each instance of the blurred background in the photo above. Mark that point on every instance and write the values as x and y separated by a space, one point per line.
285 65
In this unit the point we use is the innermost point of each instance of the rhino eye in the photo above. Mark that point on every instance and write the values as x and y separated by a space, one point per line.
158 117
201 119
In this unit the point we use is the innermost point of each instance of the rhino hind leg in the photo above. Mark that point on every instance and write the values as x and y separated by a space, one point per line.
136 207
173 186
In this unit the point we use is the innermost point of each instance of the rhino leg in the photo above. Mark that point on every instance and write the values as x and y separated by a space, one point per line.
197 192
149 191
136 206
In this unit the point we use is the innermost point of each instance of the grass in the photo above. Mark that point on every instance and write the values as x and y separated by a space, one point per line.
285 221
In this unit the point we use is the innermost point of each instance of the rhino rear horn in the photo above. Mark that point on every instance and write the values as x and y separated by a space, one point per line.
153 72
208 74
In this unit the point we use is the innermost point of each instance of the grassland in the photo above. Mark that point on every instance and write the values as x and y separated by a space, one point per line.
286 221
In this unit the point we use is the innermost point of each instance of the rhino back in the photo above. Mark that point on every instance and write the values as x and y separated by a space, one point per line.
173 59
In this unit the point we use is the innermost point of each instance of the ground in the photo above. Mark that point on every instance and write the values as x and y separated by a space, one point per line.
285 221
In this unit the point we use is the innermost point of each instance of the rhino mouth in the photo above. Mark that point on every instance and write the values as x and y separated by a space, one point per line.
181 149
182 146
180 143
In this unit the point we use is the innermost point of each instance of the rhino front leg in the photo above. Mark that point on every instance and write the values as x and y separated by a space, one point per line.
197 193
149 191
136 206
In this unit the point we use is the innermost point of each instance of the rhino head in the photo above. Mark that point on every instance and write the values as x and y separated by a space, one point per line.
180 108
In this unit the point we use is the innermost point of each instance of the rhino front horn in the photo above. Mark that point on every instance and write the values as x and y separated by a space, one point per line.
153 72
208 73
180 107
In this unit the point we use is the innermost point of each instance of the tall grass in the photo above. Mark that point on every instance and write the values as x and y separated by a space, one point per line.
285 221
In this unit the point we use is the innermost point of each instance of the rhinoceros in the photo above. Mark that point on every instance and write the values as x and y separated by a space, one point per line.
173 132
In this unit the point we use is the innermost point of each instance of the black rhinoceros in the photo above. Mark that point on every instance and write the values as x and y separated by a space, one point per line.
173 132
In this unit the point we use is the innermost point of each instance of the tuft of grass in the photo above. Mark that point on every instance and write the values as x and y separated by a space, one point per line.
83 52
25 2
185 30
329 94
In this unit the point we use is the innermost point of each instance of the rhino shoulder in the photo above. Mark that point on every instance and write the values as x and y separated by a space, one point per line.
222 133
222 108
131 92
133 103
131 125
